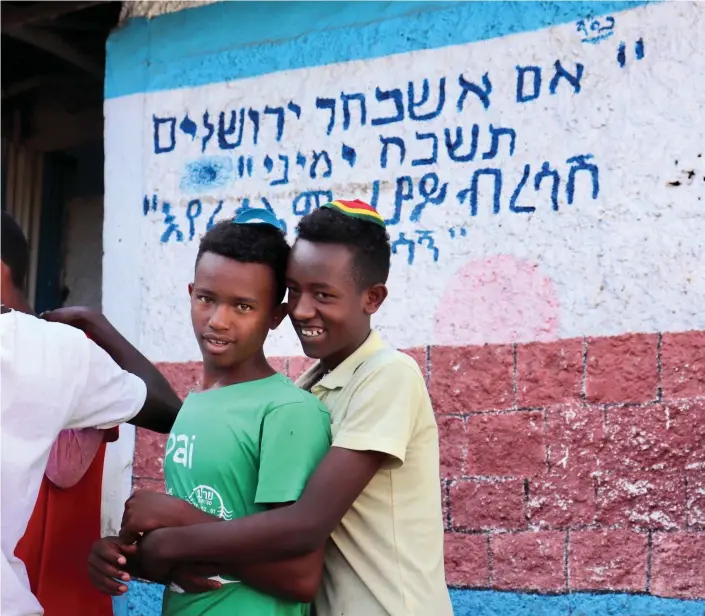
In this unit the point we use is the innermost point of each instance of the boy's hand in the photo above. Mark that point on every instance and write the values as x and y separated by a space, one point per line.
148 511
80 317
152 555
107 563
154 565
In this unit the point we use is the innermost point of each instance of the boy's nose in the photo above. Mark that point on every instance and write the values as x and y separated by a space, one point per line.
302 309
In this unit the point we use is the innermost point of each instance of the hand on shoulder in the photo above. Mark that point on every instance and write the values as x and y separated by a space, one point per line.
80 317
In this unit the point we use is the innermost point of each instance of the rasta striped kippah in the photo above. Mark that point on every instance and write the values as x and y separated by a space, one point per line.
357 209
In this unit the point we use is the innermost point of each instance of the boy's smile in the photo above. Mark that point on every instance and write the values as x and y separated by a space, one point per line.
311 332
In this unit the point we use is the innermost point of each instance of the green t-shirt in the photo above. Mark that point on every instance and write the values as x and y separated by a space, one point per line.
231 452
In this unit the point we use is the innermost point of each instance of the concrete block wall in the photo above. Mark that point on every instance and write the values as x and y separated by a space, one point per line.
567 466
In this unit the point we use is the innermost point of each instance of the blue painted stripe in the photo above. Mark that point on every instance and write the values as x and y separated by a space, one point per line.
146 600
496 603
233 40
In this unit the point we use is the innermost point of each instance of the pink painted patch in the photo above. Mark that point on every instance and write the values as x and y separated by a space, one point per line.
497 300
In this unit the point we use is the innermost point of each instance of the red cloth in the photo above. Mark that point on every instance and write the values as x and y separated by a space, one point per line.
57 542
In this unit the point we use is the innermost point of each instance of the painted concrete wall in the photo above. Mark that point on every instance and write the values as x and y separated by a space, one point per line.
84 251
83 277
541 170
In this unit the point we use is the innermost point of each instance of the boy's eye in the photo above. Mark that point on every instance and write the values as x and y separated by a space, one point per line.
204 299
244 307
292 291
322 296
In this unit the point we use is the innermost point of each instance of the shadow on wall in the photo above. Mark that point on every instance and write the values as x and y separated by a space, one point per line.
497 300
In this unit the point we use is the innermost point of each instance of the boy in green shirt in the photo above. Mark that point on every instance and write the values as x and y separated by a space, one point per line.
249 438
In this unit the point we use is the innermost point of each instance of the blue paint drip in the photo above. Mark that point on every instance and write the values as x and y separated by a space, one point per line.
146 600
208 173
199 46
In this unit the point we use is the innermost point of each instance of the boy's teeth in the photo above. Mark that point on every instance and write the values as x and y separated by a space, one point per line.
311 332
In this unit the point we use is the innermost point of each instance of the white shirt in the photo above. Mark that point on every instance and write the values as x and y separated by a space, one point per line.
52 378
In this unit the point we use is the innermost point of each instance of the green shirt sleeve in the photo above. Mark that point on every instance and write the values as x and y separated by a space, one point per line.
295 437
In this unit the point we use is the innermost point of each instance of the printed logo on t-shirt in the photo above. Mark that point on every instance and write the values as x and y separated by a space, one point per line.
181 445
209 500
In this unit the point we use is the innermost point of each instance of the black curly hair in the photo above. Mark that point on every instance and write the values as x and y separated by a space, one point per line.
15 250
369 241
249 243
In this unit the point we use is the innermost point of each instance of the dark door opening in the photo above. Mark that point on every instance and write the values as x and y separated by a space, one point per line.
53 68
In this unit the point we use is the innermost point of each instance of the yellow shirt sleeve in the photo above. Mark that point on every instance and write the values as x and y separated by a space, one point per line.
382 412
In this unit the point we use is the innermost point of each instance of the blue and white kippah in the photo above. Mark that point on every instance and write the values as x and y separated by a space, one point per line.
259 216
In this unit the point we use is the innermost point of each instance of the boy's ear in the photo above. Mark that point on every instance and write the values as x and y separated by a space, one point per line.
374 297
6 275
278 315
190 289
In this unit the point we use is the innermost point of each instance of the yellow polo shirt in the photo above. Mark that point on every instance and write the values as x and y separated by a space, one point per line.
386 556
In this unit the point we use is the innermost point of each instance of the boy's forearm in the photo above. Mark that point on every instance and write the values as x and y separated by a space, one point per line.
296 579
265 537
279 534
162 403
231 564
133 566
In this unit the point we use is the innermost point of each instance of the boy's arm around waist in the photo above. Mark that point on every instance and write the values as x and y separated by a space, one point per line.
383 416
293 579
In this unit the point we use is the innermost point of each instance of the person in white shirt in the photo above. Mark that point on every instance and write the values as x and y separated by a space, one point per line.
55 377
